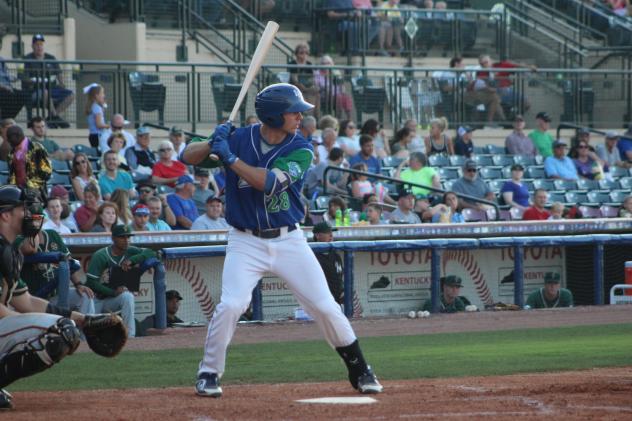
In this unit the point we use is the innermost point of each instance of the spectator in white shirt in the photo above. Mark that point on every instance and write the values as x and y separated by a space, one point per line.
53 209
212 219
117 124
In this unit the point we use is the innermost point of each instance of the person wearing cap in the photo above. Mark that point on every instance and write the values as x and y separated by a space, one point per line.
178 141
173 305
45 83
125 257
472 185
115 178
609 152
405 204
212 219
29 165
559 165
450 301
514 192
550 295
51 281
140 158
330 261
140 217
418 172
166 170
463 145
38 127
182 204
117 125
517 142
206 187
537 211
541 138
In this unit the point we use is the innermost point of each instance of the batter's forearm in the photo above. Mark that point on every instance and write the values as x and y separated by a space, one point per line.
256 177
195 153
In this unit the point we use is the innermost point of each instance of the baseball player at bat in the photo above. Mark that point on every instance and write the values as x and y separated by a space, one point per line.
265 168
34 334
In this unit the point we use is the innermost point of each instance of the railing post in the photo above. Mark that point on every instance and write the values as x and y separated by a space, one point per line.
435 275
348 283
598 273
518 275
194 95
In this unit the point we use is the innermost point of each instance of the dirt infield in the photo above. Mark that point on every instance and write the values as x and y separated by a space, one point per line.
596 394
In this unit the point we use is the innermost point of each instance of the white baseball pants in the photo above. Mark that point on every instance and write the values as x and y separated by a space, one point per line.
289 257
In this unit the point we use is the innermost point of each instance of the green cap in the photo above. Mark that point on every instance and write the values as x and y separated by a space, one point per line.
552 278
452 280
121 231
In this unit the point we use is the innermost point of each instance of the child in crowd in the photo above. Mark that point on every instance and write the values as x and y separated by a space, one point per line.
557 211
95 110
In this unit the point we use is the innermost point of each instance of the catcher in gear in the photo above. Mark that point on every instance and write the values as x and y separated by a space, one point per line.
35 334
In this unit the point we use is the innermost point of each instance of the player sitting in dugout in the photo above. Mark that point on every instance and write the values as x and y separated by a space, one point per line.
451 301
550 295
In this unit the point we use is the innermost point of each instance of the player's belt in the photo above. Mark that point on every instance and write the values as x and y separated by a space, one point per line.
269 233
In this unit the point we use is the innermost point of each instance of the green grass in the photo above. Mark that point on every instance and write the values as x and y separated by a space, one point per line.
394 357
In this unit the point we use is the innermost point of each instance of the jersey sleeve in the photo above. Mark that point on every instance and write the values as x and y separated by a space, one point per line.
208 162
295 164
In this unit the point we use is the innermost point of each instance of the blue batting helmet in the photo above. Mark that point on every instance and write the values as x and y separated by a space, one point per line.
275 100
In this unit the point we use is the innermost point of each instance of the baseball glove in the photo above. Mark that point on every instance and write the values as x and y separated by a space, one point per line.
106 334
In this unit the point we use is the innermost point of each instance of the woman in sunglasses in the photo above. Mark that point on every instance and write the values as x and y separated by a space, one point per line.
81 174
166 171
587 167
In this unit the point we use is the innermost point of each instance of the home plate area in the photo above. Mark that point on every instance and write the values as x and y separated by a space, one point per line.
595 394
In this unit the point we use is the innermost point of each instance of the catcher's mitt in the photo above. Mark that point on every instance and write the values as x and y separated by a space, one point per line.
106 334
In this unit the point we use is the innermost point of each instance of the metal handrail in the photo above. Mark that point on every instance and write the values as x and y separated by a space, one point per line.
409 183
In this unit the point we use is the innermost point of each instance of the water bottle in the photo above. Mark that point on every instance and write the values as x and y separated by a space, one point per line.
338 218
347 220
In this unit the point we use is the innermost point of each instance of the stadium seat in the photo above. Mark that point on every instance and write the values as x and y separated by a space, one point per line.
491 173
483 160
60 167
598 197
505 215
457 160
608 211
625 182
618 172
556 196
368 99
503 160
4 167
391 161
473 215
447 184
589 185
147 94
535 171
495 150
565 185
506 171
225 91
589 212
618 196
525 160
57 178
516 214
529 184
544 183
447 173
576 197
4 179
322 202
496 185
88 150
480 150
439 161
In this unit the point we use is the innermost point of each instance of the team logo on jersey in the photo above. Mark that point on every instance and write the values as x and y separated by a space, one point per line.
242 184
294 169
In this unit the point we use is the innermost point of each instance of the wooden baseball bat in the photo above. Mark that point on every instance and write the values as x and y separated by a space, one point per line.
255 64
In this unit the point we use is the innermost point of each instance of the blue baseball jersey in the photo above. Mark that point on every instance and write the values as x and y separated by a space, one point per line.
249 208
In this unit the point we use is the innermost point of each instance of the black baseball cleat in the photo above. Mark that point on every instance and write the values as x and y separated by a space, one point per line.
368 384
208 385
5 400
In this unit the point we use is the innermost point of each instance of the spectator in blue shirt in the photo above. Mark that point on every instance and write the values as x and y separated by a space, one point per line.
365 156
625 145
514 192
560 166
182 204
115 178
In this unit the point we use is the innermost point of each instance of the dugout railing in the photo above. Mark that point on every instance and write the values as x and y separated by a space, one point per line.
192 96
596 242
